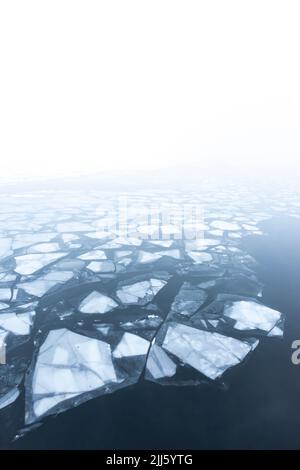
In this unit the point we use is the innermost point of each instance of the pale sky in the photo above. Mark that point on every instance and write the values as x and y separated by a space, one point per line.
97 85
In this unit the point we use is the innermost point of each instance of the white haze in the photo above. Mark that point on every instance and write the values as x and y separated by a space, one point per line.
92 86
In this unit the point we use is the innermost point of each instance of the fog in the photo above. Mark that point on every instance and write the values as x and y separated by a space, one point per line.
100 86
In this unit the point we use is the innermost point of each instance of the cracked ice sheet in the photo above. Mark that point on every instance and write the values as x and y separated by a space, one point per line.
188 300
140 292
209 353
68 365
252 316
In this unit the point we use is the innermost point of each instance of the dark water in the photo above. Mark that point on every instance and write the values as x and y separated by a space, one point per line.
260 410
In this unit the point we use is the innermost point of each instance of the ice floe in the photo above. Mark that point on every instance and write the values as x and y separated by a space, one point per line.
131 345
251 316
159 363
17 324
69 364
140 292
210 353
96 302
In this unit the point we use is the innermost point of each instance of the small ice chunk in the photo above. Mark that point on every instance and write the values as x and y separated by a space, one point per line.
99 235
170 253
148 257
131 345
276 332
93 255
130 241
103 329
140 292
216 233
223 225
97 303
200 256
207 284
3 335
249 227
252 315
159 364
122 253
213 323
201 244
102 266
163 243
210 353
29 264
234 236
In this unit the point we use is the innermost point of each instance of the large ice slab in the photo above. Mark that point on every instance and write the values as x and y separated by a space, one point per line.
209 353
252 316
68 364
